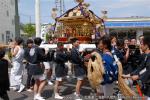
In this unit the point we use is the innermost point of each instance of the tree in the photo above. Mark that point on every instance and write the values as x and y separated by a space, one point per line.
29 29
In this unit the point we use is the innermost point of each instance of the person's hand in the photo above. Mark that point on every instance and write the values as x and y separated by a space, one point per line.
46 51
135 77
126 76
12 45
126 46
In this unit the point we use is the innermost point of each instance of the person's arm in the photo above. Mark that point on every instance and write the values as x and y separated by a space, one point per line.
26 55
146 75
75 57
140 67
14 51
62 57
127 55
41 54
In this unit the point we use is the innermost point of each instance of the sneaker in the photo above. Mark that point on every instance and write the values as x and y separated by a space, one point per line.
58 96
21 88
75 93
50 83
14 88
67 76
29 90
77 96
38 97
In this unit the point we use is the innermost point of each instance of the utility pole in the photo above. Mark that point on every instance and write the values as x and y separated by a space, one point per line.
60 6
17 22
37 18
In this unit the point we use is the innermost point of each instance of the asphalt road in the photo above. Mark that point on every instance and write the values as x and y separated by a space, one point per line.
67 90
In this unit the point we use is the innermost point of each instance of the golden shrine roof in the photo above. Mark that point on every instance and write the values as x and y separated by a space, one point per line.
79 13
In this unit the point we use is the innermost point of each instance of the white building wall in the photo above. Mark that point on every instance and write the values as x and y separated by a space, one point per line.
7 21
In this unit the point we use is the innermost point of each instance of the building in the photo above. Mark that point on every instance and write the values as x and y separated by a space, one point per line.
45 30
131 27
7 20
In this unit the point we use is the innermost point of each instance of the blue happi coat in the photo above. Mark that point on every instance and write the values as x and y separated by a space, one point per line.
111 69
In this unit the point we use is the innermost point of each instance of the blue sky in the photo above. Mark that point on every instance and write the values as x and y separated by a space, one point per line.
115 8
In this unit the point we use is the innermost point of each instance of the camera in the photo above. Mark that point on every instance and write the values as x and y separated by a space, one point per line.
134 50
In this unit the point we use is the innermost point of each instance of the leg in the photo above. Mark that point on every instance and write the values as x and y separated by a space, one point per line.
41 86
56 88
49 73
36 87
48 69
78 86
99 91
13 73
32 82
29 79
19 76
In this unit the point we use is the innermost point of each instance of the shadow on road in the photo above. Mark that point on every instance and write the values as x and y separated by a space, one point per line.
23 97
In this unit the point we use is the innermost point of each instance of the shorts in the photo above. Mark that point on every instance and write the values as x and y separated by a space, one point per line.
59 78
108 89
52 64
47 65
40 77
80 78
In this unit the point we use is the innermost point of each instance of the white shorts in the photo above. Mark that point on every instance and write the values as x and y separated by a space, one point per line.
59 78
39 77
80 78
47 65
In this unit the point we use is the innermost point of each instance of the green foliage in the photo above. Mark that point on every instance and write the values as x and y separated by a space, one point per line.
47 36
29 29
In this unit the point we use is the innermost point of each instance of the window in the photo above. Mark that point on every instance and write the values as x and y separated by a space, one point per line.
12 2
13 22
2 37
7 13
7 36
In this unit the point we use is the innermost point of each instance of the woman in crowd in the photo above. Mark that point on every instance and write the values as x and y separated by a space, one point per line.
111 68
4 77
17 62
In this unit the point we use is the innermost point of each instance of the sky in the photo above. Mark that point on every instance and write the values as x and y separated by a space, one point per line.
115 8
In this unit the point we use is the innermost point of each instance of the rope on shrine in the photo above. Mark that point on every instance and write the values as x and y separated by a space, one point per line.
124 88
96 71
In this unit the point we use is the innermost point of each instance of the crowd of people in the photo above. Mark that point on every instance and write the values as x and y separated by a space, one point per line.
41 64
